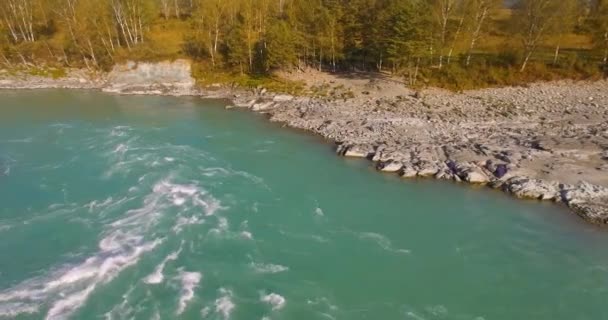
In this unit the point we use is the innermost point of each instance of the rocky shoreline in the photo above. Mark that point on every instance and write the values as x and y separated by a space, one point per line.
548 141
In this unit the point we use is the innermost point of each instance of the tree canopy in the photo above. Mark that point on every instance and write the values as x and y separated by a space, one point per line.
259 36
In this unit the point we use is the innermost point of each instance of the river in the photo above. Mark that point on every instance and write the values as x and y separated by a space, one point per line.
144 207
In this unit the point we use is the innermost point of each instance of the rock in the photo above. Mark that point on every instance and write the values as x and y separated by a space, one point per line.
408 172
527 188
605 155
428 170
584 191
468 172
496 184
262 106
476 176
444 175
282 98
247 104
355 151
593 211
501 170
390 166
168 77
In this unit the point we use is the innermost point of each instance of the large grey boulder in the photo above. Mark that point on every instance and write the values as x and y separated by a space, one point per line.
426 169
408 172
262 106
390 166
588 201
527 188
469 172
355 151
595 211
476 176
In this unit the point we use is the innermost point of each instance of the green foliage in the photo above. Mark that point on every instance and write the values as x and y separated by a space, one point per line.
207 76
281 46
451 43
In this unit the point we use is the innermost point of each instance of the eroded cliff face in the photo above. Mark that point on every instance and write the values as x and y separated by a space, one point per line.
163 78
168 77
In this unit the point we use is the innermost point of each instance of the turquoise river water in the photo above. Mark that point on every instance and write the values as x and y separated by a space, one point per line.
118 207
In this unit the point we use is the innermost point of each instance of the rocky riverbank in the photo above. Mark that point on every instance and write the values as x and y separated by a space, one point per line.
548 141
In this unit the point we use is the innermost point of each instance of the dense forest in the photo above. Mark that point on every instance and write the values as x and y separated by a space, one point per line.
487 41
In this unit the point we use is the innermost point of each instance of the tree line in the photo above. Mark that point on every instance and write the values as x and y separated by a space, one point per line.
259 36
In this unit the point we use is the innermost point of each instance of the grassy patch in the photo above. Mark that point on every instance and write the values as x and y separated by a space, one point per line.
207 76
49 72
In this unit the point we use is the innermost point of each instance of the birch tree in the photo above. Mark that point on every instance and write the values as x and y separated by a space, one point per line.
568 12
599 16
443 11
536 18
211 15
130 17
18 16
479 11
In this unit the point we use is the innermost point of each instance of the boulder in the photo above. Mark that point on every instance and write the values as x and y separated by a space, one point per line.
468 172
527 188
427 170
476 176
593 211
262 106
390 166
408 172
282 98
501 170
355 151
584 191
444 175
246 104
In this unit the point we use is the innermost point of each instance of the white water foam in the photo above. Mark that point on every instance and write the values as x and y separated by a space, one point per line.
190 281
224 305
24 140
221 228
119 131
94 271
276 301
180 194
212 172
209 204
268 268
319 212
183 222
122 310
65 306
245 234
382 241
121 246
11 310
157 276
313 237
